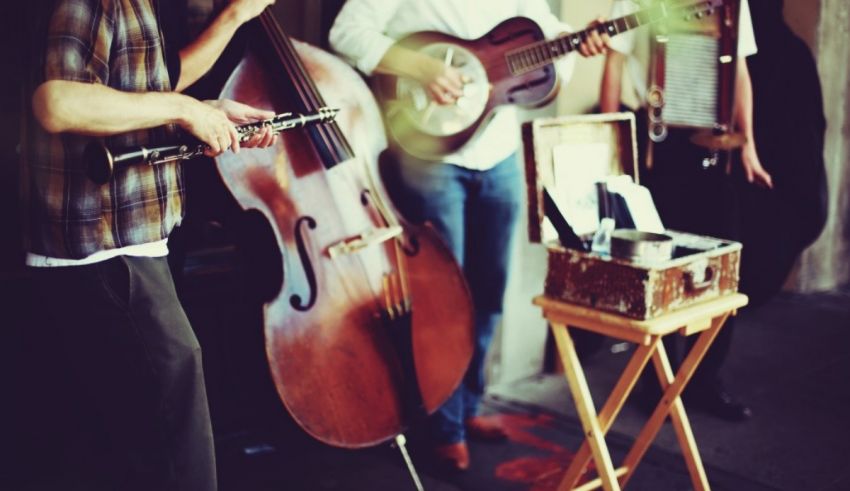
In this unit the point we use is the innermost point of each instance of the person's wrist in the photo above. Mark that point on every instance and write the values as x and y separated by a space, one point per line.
426 68
184 108
234 15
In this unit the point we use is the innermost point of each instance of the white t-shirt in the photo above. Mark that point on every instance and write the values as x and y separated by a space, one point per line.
365 29
152 249
635 43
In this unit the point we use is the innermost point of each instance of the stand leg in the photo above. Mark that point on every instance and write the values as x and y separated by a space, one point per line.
682 427
671 399
610 409
584 405
401 443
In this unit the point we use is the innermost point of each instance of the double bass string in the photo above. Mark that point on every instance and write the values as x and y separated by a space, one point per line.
293 68
294 71
308 92
391 220
330 134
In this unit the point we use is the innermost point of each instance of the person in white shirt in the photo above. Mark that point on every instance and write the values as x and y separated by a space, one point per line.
472 196
691 196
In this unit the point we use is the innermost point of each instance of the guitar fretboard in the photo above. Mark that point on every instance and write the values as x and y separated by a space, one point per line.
542 53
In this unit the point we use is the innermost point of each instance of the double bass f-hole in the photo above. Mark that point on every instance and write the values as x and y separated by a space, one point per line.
411 246
295 300
408 242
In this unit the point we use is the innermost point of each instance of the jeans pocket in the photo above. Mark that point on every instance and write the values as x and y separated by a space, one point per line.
116 281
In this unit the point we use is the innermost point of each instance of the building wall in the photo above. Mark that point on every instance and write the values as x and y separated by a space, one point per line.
826 265
803 17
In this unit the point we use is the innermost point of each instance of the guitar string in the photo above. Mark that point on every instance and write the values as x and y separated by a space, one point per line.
541 53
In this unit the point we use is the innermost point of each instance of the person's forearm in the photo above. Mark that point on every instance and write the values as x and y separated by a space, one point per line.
611 88
753 169
197 58
744 100
94 109
406 63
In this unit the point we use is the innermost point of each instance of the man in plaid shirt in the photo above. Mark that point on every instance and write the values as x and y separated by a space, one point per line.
98 253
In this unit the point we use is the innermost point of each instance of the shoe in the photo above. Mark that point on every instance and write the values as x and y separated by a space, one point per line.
714 400
485 429
453 457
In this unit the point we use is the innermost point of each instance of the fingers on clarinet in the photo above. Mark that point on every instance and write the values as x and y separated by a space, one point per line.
233 137
268 139
256 140
214 146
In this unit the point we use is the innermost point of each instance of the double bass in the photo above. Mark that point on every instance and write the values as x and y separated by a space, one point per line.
369 324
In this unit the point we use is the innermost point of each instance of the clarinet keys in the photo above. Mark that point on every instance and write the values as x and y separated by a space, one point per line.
102 162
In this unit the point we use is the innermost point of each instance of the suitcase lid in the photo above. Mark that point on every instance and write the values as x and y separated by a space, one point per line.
565 155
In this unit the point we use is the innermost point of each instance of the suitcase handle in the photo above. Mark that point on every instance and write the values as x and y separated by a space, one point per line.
693 286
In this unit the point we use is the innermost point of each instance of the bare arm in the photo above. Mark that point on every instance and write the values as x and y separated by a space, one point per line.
444 83
96 110
197 58
744 120
612 79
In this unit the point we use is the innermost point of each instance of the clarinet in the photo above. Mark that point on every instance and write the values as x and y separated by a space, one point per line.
102 162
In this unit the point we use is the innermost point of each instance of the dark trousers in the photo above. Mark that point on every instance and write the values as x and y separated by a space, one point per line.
136 366
696 199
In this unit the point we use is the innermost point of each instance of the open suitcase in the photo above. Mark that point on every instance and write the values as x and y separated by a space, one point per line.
557 150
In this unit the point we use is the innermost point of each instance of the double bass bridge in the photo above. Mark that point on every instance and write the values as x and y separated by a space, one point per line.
364 240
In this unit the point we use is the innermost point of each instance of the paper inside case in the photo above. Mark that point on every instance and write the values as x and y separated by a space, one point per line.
576 168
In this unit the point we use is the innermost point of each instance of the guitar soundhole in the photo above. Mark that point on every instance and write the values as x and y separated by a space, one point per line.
528 91
423 114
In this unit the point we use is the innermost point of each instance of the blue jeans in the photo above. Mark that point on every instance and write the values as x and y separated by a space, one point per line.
475 212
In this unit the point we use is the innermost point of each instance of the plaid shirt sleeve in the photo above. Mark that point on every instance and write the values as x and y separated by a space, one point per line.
79 42
116 43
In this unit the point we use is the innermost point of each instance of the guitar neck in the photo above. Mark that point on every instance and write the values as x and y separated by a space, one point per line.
542 53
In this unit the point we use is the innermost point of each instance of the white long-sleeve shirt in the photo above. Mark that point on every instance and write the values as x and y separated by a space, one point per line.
365 29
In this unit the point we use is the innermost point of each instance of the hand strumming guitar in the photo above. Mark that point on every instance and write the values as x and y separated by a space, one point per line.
445 84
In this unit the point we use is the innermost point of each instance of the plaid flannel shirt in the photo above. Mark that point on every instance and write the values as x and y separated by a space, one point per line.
117 43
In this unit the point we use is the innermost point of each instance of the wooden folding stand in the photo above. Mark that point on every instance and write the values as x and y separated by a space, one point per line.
706 318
